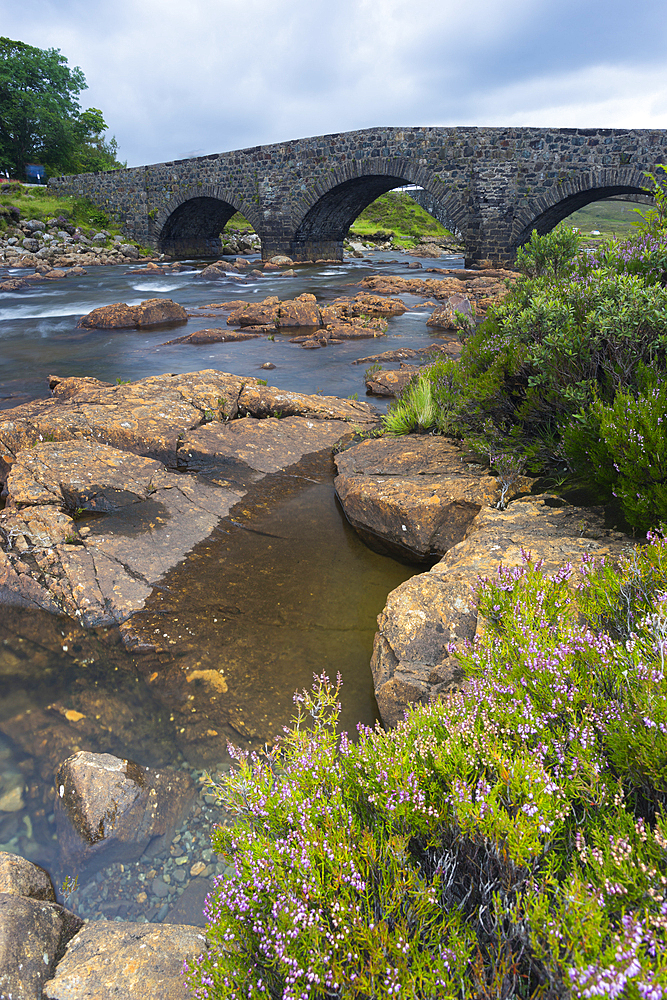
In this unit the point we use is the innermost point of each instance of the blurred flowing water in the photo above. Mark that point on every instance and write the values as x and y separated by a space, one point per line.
282 589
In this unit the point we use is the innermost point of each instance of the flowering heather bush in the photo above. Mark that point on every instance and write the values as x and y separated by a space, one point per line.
621 449
508 842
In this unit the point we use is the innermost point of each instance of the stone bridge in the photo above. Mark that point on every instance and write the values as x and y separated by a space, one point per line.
493 186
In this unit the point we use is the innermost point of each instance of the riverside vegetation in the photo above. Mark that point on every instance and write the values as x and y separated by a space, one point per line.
510 841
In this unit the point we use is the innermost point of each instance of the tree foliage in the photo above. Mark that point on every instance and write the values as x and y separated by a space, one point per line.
40 117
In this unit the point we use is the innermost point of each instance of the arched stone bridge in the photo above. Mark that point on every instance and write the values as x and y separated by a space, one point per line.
493 186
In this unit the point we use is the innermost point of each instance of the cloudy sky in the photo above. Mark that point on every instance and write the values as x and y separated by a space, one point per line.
178 78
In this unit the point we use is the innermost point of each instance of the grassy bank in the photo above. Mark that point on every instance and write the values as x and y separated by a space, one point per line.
41 204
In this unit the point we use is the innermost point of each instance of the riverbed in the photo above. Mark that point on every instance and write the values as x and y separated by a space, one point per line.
283 588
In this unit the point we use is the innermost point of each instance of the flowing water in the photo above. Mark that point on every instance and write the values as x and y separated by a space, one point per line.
282 589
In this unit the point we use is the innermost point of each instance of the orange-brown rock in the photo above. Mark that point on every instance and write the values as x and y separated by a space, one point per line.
412 663
151 312
33 937
254 313
112 959
391 383
483 288
412 496
301 311
147 417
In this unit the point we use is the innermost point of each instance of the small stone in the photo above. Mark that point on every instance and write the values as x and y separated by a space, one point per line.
182 860
197 868
267 365
12 800
159 889
141 897
180 875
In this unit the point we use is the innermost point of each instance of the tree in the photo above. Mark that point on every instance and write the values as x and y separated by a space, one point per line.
40 116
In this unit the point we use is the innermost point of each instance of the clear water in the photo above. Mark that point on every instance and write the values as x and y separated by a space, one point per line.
281 590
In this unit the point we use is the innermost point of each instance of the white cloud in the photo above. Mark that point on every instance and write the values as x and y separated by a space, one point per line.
209 75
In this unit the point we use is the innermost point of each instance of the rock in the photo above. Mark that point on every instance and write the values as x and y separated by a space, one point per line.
482 290
129 250
153 518
33 937
281 260
213 336
445 315
411 662
266 401
391 383
19 877
151 312
112 960
302 311
109 809
268 365
255 313
414 265
413 496
146 417
228 450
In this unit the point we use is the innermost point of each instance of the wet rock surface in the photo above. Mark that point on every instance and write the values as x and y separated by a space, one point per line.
411 661
112 808
151 312
121 959
19 877
413 496
229 452
34 930
482 288
101 570
89 528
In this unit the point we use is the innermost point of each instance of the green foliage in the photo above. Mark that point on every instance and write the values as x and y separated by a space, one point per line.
40 116
551 254
510 841
397 214
621 449
654 220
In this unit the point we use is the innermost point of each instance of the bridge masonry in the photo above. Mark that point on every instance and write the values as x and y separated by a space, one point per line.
490 185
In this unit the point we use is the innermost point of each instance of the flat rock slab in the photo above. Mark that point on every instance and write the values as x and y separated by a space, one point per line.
152 416
151 312
104 571
268 445
411 662
126 961
33 937
412 496
148 417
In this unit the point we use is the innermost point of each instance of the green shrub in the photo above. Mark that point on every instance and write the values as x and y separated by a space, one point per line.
508 842
551 254
621 449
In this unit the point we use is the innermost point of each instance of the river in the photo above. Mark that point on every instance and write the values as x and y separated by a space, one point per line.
295 595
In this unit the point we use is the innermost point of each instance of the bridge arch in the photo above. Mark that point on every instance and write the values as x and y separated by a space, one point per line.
544 213
189 224
327 209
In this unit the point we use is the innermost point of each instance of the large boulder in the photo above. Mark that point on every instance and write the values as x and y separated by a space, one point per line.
412 497
151 312
34 929
112 960
109 809
424 617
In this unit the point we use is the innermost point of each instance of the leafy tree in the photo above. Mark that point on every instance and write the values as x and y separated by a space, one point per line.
40 116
